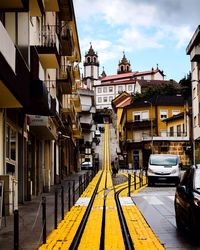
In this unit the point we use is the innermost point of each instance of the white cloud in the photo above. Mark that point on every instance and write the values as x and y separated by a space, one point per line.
166 17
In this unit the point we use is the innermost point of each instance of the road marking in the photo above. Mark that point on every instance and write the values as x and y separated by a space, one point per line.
82 201
126 201
153 200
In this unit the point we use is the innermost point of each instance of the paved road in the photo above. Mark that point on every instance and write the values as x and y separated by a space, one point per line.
157 206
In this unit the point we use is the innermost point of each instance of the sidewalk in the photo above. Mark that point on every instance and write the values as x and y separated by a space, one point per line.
30 217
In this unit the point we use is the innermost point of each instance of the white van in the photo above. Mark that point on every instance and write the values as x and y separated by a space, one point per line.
163 168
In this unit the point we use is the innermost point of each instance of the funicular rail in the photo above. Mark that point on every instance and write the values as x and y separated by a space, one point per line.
106 222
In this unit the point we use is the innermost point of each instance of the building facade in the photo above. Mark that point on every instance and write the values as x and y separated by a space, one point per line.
39 129
144 128
193 50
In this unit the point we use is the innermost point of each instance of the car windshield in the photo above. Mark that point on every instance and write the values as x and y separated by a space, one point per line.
163 160
197 179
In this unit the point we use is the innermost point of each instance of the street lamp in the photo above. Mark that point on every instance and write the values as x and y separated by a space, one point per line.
151 124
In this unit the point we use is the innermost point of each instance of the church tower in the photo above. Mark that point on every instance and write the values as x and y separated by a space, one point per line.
124 65
91 67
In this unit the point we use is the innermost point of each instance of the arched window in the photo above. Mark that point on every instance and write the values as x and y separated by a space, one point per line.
122 68
94 59
88 59
127 68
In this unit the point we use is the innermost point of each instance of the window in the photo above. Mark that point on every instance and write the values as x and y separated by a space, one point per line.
105 99
178 127
120 89
136 116
88 59
11 149
130 87
175 112
104 89
94 59
163 114
141 116
145 115
99 90
171 131
122 68
110 89
110 98
99 99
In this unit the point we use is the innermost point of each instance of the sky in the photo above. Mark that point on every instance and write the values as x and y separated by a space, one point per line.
150 32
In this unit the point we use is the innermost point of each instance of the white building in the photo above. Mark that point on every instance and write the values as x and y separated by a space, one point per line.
193 49
109 87
106 88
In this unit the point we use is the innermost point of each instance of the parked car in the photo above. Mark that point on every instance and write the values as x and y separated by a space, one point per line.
163 168
97 133
86 165
187 200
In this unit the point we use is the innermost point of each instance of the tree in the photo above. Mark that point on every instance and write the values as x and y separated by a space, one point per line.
152 91
186 86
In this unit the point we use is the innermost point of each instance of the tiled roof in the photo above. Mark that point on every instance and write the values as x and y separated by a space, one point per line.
125 102
119 76
174 117
130 75
175 100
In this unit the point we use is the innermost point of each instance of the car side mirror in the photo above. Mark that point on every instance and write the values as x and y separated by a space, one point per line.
180 165
181 189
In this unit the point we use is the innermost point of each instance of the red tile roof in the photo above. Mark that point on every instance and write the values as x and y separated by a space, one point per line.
130 75
119 76
125 102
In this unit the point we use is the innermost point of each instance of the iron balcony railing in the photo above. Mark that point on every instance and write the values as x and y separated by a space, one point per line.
49 37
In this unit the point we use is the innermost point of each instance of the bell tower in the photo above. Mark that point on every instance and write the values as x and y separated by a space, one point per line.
91 67
124 65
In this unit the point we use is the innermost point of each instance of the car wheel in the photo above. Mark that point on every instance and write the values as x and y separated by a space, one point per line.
150 183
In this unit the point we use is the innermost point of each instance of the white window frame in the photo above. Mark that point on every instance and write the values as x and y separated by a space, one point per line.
105 97
130 87
99 90
99 99
110 98
105 89
110 89
163 111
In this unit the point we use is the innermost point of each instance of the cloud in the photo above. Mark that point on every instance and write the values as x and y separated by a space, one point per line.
168 18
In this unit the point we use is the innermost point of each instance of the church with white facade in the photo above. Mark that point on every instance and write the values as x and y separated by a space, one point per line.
106 88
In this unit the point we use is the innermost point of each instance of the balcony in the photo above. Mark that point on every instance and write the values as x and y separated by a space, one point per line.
51 5
66 39
66 10
195 54
43 127
49 47
167 136
141 124
76 128
41 102
14 92
14 5
36 8
64 83
68 108
77 102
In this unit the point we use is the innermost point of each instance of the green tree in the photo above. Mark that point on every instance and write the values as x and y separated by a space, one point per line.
152 91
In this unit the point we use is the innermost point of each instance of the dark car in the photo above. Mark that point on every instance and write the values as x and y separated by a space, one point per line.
187 200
